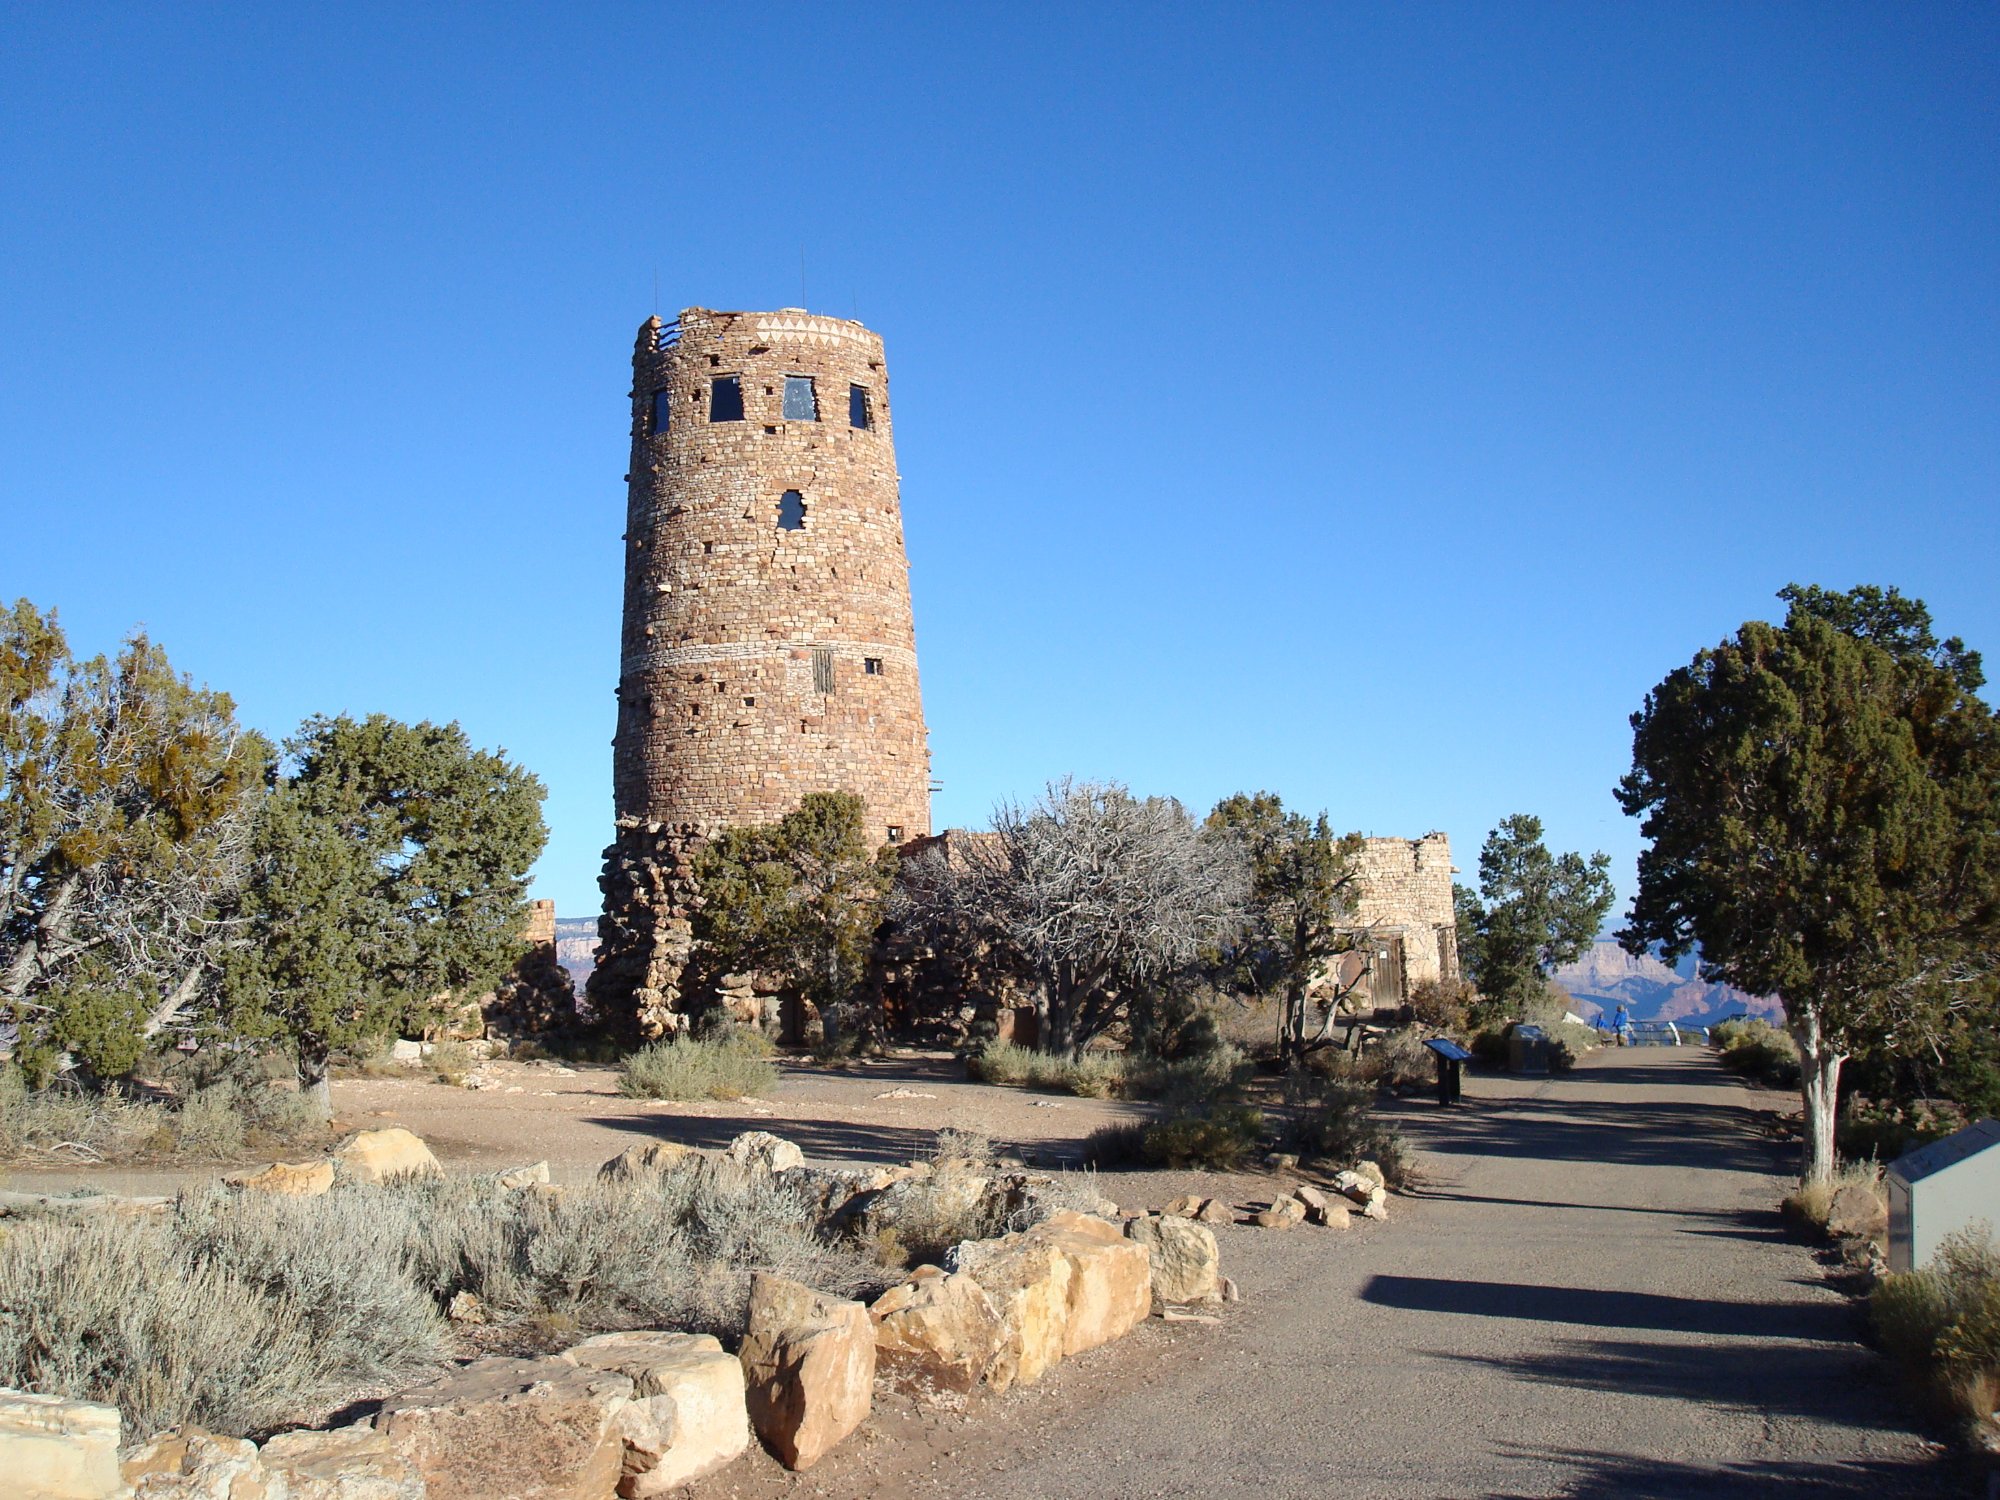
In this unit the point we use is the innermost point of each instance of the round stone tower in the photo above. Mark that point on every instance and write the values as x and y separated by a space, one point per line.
768 649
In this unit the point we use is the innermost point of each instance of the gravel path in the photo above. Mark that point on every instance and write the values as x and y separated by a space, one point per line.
1592 1296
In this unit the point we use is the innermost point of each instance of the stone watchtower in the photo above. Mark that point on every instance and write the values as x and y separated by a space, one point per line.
768 649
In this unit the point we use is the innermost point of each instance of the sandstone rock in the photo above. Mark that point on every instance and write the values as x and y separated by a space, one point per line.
1353 1186
466 1307
1313 1201
1280 1215
1185 1261
809 1365
1228 1289
349 1463
407 1052
1111 1279
1338 1215
1856 1212
687 1416
1282 1161
1215 1211
1185 1207
516 1178
529 1429
306 1179
1370 1173
53 1449
382 1155
1028 1281
190 1464
937 1332
1377 1206
636 1163
761 1149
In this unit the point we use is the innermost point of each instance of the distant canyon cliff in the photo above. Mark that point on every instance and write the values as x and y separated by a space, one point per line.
1607 977
576 947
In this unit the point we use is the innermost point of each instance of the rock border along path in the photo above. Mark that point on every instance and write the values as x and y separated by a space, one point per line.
1592 1295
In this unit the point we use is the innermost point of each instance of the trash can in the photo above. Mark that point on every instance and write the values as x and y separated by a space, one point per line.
1451 1059
1527 1050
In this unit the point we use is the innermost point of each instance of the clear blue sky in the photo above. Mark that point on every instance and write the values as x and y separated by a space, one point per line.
1365 405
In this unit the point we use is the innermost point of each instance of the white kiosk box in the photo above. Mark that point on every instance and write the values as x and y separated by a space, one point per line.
1946 1186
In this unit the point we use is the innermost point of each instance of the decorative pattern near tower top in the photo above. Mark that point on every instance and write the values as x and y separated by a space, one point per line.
768 649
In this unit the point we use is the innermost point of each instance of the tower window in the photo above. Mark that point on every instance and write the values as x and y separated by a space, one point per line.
725 399
791 511
895 833
857 406
872 665
662 408
801 405
822 670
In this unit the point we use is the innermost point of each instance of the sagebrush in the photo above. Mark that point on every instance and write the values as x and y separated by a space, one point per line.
1943 1322
726 1065
67 1122
1095 1075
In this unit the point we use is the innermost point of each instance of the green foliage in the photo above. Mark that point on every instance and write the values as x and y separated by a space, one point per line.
1534 911
1216 1139
1305 885
1095 1075
1942 1322
800 900
1820 800
728 1065
390 868
125 793
1757 1049
1335 1118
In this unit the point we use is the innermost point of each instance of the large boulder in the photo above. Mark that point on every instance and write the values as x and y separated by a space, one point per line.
1027 1279
762 1151
190 1464
809 1368
1111 1279
1186 1265
53 1449
306 1179
383 1155
937 1332
641 1163
349 1463
529 1429
1858 1211
687 1416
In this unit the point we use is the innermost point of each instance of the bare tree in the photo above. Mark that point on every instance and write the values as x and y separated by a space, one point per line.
1095 893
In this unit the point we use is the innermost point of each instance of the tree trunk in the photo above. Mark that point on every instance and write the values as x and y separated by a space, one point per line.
1819 1084
314 1082
54 924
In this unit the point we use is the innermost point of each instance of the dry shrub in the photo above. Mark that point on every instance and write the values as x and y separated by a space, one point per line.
210 1121
1217 1138
244 1311
1757 1049
1442 1004
1095 1075
1335 1118
722 1065
1812 1203
1942 1323
450 1061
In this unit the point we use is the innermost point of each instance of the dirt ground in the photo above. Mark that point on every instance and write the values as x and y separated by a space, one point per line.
1590 1294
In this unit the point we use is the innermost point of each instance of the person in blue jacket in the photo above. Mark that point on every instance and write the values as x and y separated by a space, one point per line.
1621 1022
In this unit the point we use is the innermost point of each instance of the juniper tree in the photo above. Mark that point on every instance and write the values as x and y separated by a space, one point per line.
1305 890
799 899
1534 911
389 871
1821 801
126 798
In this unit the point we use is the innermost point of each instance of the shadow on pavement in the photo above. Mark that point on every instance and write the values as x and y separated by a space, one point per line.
1610 1476
1720 1137
1825 1322
1782 1379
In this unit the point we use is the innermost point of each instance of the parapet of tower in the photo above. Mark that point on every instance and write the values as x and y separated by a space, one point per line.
768 649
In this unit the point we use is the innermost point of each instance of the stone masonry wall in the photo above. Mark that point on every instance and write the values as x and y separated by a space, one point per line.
1406 893
759 661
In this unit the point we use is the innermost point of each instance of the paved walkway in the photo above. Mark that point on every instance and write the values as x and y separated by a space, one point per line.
1593 1296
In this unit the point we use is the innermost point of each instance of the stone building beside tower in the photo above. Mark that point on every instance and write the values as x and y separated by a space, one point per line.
767 649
